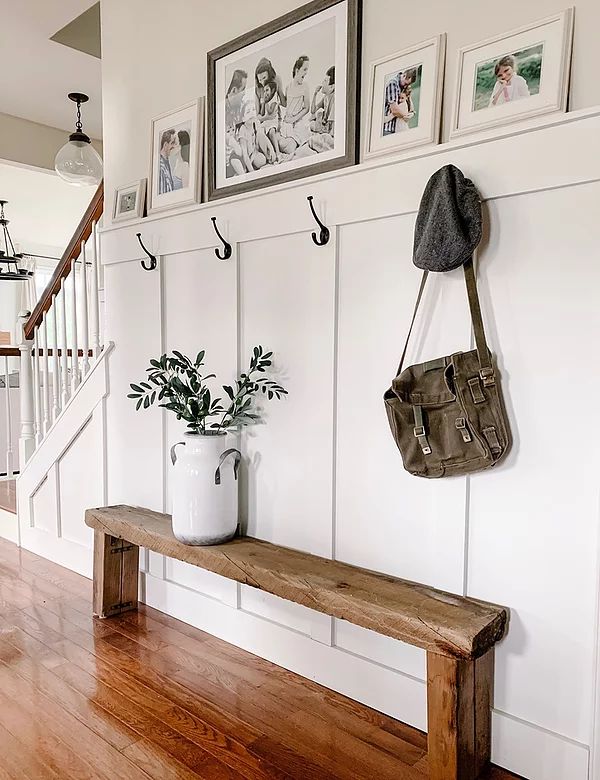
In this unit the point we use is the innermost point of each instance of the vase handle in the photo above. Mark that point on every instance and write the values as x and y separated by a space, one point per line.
236 464
173 453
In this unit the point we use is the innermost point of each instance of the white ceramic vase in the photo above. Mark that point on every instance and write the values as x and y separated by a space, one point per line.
205 488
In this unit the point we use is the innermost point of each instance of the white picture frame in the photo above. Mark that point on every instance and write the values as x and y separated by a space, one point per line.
543 47
130 200
426 60
180 184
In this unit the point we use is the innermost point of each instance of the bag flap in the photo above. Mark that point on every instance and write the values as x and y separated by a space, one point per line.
426 384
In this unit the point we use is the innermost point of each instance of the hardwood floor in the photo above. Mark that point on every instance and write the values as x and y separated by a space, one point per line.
8 495
144 696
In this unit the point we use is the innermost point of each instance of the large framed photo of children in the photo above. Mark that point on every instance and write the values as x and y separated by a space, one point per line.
283 99
405 98
514 76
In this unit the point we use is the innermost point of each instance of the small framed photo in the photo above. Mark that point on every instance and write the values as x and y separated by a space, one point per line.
405 98
514 76
176 157
283 100
130 201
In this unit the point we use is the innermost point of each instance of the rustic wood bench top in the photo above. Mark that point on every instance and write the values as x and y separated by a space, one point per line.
439 622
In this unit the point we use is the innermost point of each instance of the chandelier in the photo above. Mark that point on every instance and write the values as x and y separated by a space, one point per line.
8 256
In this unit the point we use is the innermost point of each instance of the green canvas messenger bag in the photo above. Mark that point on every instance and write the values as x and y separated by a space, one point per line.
447 415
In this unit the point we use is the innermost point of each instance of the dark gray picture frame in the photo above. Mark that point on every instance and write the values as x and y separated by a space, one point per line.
352 97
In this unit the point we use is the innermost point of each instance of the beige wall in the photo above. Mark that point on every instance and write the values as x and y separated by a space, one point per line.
30 143
142 81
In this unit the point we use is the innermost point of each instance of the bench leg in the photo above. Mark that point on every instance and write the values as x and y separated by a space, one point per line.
116 573
459 713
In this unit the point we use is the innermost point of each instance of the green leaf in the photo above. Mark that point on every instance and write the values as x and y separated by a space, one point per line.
137 406
133 395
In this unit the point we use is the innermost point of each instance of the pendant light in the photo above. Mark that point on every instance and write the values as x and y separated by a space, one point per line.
78 162
8 256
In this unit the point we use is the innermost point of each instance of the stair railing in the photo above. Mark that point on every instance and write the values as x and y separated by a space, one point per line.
60 339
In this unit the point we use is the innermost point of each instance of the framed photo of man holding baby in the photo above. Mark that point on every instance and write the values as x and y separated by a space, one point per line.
283 99
405 98
520 74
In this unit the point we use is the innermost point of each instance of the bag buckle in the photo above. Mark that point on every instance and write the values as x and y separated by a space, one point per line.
419 431
487 376
461 425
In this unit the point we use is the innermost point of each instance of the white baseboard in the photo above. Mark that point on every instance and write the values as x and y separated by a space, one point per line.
536 753
9 526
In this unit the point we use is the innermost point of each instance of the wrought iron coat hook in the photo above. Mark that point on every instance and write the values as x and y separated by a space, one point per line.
227 250
152 257
325 235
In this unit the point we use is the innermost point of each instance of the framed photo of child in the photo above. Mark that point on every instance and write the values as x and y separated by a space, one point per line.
283 99
511 77
405 98
176 157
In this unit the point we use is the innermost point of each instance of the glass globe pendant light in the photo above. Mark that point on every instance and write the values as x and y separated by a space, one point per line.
78 162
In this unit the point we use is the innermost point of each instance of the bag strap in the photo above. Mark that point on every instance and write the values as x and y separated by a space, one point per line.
486 372
412 322
483 354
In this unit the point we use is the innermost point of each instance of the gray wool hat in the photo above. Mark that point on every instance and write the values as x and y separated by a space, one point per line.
448 227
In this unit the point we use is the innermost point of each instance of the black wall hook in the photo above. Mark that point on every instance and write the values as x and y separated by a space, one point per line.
152 257
325 235
227 250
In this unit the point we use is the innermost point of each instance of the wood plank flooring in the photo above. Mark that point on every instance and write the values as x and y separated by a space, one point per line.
144 696
8 495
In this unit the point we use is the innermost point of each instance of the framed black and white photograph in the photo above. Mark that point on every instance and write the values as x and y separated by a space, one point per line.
176 157
405 98
514 76
283 99
130 201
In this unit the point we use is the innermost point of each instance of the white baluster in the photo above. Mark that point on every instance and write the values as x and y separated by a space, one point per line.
45 374
64 360
55 362
9 451
37 390
74 345
27 438
94 301
85 339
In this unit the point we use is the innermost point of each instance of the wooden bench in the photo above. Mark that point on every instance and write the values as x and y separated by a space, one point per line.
458 633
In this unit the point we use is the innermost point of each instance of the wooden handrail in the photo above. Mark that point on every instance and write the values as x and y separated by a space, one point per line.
63 269
10 352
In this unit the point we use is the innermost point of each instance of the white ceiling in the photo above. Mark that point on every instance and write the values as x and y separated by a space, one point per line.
37 73
43 210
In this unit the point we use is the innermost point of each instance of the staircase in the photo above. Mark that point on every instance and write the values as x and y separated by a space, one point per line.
52 383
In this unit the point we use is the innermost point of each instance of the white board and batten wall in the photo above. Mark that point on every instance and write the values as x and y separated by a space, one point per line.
323 474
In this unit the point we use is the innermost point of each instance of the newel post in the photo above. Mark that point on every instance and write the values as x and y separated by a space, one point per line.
27 438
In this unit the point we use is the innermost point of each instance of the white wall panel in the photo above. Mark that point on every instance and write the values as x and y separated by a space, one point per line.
200 312
387 519
80 474
287 295
44 503
133 313
534 520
